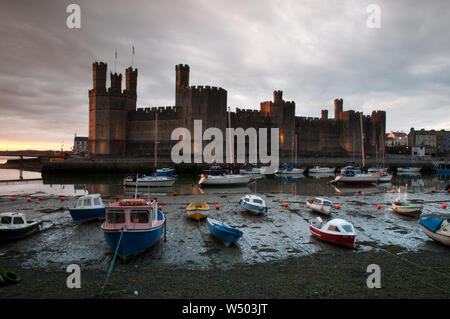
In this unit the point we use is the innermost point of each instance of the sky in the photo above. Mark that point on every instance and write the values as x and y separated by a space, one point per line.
314 51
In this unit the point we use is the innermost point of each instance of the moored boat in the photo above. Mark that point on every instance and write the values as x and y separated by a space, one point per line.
88 207
15 226
321 169
320 205
224 180
253 204
337 231
223 231
437 229
133 225
408 169
351 178
350 168
216 170
150 181
407 208
291 169
197 211
165 171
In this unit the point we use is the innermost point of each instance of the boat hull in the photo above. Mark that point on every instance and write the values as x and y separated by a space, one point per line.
409 170
437 237
134 241
19 233
321 170
153 183
226 234
226 180
292 171
253 209
324 210
84 214
197 215
343 240
412 211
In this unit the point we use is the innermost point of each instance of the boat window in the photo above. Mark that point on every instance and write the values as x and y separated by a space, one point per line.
6 220
18 220
257 201
116 217
97 201
79 203
139 216
87 202
333 228
348 228
246 199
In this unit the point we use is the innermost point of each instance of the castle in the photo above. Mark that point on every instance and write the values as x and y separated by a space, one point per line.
118 128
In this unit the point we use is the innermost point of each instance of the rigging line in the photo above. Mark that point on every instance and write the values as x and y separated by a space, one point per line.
213 263
112 263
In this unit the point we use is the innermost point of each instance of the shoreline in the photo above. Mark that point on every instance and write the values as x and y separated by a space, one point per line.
340 274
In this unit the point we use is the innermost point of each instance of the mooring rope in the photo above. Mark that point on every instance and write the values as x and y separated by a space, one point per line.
112 263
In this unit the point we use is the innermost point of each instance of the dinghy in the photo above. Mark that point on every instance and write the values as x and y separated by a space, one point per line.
88 207
253 204
337 231
223 231
133 225
197 211
320 205
437 229
15 226
407 208
321 169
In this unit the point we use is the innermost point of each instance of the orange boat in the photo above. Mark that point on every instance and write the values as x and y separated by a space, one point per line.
197 211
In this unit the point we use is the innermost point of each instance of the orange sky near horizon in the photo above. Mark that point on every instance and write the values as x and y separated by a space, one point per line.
6 145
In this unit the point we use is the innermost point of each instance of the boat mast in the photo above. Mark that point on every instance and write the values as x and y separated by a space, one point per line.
362 140
295 148
229 136
156 138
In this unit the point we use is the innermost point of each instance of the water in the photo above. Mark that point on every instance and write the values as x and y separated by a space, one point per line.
280 234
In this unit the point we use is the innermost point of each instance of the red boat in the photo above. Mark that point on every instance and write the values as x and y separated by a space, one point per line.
336 231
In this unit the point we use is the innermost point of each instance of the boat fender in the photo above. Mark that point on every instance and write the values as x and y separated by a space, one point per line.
8 277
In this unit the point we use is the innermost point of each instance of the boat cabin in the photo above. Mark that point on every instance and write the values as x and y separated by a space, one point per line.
90 201
254 200
8 219
132 214
335 225
322 202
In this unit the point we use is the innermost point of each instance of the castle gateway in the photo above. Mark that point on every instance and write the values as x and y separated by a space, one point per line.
118 128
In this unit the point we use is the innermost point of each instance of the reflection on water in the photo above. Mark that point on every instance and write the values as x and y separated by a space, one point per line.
299 184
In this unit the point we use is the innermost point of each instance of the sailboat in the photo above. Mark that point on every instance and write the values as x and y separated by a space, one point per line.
164 179
225 179
350 177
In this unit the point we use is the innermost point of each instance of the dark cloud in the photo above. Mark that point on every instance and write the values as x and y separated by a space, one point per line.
314 51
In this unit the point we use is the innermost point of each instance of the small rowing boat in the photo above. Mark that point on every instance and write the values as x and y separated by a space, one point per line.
253 204
407 208
320 205
197 211
224 232
437 229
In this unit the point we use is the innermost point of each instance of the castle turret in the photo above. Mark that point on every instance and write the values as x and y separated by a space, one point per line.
99 76
116 83
131 79
324 114
277 97
338 108
182 74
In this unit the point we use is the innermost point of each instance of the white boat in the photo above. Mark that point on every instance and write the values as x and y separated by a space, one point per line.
15 226
407 208
337 231
437 229
88 207
230 179
352 178
250 170
150 181
320 205
292 171
253 204
322 169
408 169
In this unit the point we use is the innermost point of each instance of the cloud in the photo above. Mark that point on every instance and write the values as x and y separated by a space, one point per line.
315 51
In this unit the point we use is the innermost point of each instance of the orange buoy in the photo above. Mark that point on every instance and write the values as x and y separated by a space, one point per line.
29 199
13 198
378 206
40 198
321 208
338 206
285 204
217 206
174 193
444 206
61 198
160 207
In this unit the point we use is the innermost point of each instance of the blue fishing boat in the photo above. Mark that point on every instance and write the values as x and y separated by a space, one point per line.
223 231
253 204
133 225
88 207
